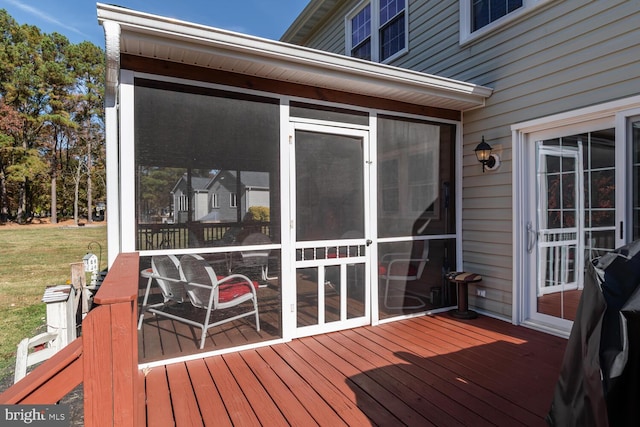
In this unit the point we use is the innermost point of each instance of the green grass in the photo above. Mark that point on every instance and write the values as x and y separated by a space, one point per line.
32 258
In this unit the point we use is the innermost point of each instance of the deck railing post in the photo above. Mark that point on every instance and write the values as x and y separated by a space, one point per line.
111 349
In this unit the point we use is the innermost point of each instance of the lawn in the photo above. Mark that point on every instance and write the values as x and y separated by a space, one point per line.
33 257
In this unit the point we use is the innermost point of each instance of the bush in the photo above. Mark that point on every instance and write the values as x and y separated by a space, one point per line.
259 213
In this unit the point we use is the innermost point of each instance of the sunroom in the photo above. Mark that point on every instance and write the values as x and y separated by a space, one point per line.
329 186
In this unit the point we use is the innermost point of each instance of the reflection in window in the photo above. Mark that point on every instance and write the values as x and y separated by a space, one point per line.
598 184
635 166
392 33
207 166
361 34
485 12
377 30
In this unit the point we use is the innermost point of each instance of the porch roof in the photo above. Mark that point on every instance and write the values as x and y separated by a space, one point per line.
151 36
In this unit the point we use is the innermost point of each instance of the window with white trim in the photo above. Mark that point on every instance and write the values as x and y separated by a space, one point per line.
233 200
484 12
214 201
478 17
377 30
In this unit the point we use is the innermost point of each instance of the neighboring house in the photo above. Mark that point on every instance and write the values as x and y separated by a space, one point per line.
222 198
184 203
564 120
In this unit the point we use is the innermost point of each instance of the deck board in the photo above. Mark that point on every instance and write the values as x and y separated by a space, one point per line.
475 400
265 408
183 398
283 397
238 407
212 408
430 370
314 391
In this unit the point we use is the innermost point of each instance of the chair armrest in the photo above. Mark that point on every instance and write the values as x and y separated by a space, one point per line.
394 255
168 279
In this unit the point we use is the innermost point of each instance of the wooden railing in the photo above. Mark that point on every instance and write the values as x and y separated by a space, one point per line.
104 359
191 235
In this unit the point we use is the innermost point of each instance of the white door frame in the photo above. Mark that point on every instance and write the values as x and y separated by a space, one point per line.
613 114
289 293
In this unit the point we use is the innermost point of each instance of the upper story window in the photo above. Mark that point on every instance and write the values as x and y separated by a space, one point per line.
377 30
484 12
479 17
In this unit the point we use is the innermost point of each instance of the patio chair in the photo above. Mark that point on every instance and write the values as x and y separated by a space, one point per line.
165 271
257 258
210 292
402 268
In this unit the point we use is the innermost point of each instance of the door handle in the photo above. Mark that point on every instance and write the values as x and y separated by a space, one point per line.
532 236
369 242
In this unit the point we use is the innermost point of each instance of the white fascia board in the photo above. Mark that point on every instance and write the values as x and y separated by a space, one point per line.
187 36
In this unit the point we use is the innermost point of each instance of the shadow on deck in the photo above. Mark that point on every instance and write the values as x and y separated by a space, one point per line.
423 371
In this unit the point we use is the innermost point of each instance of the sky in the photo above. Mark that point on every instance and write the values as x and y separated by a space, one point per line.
77 19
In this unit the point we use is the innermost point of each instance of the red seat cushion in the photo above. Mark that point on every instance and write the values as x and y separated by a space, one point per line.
398 269
235 288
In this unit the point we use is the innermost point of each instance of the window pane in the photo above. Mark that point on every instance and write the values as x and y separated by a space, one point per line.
389 9
363 51
361 26
415 176
486 11
392 38
635 135
207 166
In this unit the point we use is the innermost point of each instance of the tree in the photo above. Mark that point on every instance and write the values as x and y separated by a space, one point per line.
87 62
56 88
9 125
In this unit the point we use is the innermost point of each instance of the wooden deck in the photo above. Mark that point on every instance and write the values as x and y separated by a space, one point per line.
431 370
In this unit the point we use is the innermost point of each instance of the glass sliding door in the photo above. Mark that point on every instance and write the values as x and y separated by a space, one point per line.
573 219
634 136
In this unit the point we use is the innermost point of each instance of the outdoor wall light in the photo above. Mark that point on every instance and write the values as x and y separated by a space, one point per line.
483 154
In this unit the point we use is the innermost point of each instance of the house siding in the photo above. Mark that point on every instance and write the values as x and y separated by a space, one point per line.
561 56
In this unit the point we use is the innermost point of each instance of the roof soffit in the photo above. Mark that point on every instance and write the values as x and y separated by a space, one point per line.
163 38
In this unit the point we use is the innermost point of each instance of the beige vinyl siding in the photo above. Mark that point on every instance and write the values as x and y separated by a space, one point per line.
332 36
559 57
562 57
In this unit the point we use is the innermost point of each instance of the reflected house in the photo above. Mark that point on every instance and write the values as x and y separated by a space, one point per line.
221 198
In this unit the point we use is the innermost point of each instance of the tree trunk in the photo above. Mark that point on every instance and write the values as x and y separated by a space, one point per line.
22 203
54 199
89 195
4 200
76 194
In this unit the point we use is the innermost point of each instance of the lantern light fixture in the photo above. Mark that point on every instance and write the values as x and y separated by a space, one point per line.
489 160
